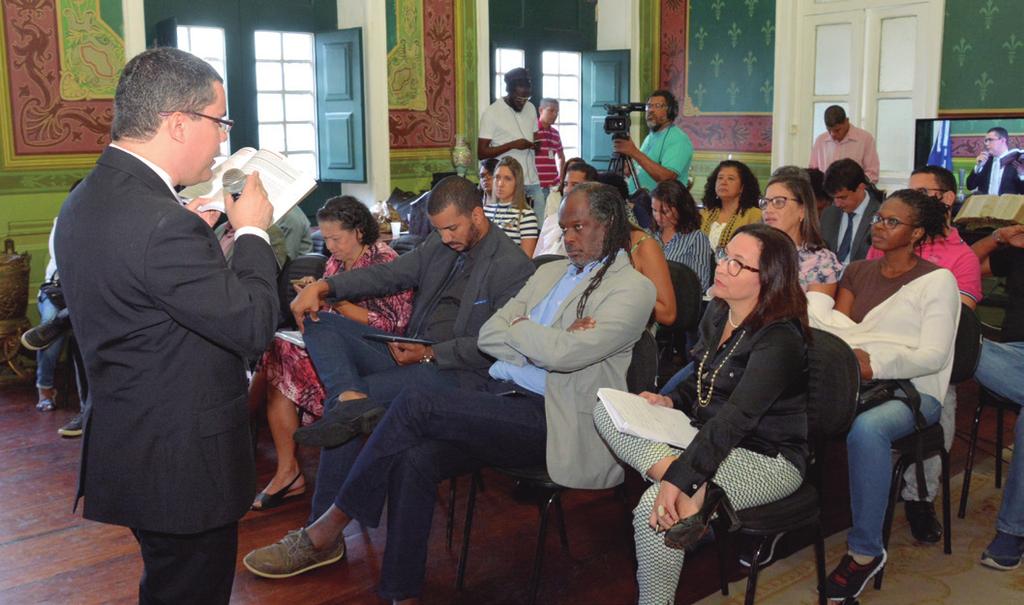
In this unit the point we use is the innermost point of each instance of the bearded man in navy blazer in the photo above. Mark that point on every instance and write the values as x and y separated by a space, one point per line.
164 326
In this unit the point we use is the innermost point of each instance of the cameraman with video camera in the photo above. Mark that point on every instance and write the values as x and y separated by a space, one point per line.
666 152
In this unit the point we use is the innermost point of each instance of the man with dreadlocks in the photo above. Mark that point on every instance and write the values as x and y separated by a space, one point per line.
568 332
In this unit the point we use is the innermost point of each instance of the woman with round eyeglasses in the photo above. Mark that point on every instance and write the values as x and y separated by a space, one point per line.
789 206
900 314
748 398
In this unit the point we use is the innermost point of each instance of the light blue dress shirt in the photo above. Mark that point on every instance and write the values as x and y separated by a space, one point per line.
530 376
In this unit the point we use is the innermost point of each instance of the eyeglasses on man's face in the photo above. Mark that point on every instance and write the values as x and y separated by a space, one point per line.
732 266
223 123
653 106
931 191
778 202
889 222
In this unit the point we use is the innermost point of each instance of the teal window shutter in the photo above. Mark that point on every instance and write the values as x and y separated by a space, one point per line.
605 80
341 128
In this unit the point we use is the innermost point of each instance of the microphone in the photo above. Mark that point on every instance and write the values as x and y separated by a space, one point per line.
233 182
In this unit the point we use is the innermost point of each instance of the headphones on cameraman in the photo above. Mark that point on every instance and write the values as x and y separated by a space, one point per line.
670 100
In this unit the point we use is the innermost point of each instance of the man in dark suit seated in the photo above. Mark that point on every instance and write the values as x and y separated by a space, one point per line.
846 225
998 169
164 325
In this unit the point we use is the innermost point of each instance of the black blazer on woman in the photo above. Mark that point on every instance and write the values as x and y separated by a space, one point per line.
759 401
164 325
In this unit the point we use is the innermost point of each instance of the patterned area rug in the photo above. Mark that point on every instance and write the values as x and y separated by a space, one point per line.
917 574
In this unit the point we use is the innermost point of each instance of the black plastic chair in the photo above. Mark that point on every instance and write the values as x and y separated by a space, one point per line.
833 384
687 289
295 268
986 398
641 376
929 441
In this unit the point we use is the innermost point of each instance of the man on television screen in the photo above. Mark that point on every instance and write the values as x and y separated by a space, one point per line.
998 168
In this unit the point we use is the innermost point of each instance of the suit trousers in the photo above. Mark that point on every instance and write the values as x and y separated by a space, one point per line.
428 435
183 569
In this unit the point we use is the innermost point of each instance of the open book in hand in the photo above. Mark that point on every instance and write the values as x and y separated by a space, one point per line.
286 185
633 415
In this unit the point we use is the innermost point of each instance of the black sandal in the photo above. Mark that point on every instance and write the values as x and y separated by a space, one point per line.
268 501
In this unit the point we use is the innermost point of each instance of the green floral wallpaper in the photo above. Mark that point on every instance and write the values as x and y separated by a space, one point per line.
731 56
982 56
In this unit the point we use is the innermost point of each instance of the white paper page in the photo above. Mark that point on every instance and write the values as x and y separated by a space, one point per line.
212 188
633 415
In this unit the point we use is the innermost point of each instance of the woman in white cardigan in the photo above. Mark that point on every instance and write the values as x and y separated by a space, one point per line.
900 314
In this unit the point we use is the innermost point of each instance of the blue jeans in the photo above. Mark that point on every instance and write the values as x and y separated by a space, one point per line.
1001 370
537 194
46 359
345 361
428 435
868 447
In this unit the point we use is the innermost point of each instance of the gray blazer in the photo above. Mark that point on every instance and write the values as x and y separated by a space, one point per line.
500 268
832 221
578 363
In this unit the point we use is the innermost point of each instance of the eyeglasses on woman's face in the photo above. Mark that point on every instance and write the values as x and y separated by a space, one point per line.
889 222
778 202
732 266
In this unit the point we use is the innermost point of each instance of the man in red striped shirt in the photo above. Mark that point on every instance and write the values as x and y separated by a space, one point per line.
550 146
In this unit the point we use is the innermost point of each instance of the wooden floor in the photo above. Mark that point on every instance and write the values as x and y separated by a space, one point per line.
50 555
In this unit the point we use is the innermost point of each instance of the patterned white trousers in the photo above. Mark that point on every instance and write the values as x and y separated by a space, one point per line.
748 478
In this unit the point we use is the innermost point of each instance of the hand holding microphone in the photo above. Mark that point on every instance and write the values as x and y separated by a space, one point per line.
982 158
245 200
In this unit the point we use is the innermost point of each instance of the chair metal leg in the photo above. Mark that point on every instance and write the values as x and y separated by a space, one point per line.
563 534
894 490
451 512
538 558
723 563
999 447
971 449
819 561
755 568
947 532
464 554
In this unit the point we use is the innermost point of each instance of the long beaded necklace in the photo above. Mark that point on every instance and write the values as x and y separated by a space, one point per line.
702 400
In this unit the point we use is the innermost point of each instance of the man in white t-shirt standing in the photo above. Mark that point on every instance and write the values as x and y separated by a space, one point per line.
508 127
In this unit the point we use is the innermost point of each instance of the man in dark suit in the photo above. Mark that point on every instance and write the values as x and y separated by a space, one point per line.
164 325
846 225
1007 164
462 273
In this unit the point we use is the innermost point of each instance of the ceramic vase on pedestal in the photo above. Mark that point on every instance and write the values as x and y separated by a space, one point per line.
461 157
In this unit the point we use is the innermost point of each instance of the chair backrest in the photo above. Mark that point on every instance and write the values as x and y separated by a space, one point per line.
833 385
307 264
543 259
687 289
967 347
643 367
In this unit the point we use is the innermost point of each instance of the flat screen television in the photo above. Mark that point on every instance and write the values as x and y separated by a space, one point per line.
956 142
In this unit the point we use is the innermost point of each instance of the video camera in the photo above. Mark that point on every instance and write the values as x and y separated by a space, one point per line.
617 123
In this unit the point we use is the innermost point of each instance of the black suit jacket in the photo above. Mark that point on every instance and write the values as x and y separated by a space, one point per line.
1008 183
164 325
499 271
832 221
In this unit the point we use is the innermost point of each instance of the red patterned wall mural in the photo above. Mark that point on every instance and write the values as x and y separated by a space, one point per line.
44 120
436 125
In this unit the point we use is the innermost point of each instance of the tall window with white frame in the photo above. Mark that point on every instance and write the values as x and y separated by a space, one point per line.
207 43
561 81
286 96
505 60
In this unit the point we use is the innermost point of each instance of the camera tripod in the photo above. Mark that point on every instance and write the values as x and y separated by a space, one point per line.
617 165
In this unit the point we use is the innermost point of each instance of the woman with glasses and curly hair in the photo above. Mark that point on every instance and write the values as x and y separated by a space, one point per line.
730 201
900 315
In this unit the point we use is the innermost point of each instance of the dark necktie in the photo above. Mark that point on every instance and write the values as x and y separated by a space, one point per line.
844 246
457 266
